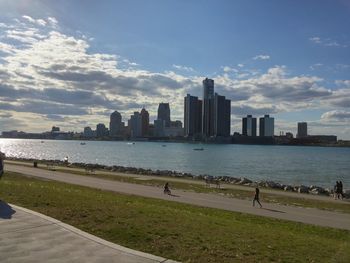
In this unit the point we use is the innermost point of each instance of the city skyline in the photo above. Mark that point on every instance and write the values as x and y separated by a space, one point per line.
72 63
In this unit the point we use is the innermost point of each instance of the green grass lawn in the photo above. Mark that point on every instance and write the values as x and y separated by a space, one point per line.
177 231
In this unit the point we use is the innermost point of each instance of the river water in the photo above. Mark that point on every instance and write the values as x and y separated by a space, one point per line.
320 166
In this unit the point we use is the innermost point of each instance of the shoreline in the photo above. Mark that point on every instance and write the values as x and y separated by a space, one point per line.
327 145
216 180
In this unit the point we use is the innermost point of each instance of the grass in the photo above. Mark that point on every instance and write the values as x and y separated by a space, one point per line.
177 231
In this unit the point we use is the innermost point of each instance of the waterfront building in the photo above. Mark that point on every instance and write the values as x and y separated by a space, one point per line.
177 124
164 113
144 122
88 132
101 130
159 126
192 115
302 130
115 124
55 129
249 126
266 126
208 108
222 116
135 125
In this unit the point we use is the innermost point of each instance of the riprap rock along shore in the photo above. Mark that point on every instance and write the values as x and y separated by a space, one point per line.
312 189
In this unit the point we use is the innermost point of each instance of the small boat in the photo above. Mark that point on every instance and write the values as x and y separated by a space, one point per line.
42 141
198 149
130 143
82 143
163 145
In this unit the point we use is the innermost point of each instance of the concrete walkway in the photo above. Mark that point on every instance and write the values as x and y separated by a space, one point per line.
27 236
298 214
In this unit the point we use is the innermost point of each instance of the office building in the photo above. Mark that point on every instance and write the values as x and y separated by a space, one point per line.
135 125
115 124
266 126
208 108
249 126
159 127
164 113
101 130
302 130
192 115
144 122
88 132
222 116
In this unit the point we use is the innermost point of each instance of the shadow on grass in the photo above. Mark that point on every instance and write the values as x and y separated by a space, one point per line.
6 211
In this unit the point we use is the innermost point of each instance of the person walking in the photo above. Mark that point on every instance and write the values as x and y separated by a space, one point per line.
335 190
2 157
257 197
341 190
166 189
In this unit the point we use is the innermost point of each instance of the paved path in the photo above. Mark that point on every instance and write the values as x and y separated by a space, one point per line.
27 236
298 214
186 180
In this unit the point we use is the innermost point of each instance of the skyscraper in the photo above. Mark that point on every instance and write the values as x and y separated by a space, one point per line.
135 125
266 126
222 116
249 126
164 113
208 108
115 124
144 122
101 130
302 130
192 115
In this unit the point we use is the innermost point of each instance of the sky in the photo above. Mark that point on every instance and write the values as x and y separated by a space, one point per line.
71 63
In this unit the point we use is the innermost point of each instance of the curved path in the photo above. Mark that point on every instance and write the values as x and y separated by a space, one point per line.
27 236
298 214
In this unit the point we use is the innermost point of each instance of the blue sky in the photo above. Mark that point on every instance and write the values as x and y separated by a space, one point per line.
287 58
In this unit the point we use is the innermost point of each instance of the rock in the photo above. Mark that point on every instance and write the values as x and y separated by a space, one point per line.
288 188
244 181
303 189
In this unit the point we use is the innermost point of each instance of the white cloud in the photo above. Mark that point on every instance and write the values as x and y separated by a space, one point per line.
183 68
343 83
228 69
316 66
40 22
327 42
336 115
261 57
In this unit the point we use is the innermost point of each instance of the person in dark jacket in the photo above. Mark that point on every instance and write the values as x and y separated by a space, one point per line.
257 197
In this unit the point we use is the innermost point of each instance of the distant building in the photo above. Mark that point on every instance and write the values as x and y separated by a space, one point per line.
192 115
144 123
173 131
115 124
266 126
302 130
55 129
164 113
176 124
208 108
88 132
222 116
101 130
249 126
135 125
159 126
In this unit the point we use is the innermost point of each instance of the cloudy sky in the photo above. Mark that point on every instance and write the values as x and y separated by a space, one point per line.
71 63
